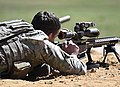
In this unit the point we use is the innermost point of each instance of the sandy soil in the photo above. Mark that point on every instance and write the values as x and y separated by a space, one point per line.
102 77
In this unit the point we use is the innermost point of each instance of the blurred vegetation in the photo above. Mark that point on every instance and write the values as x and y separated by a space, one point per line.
105 13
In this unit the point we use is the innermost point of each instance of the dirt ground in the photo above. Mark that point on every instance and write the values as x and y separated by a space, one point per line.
102 77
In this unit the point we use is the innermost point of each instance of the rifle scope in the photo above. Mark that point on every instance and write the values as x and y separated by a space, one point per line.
81 29
64 33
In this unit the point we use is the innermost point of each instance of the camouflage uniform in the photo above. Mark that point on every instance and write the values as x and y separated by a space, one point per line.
34 48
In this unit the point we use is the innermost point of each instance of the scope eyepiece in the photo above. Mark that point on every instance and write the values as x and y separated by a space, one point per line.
65 33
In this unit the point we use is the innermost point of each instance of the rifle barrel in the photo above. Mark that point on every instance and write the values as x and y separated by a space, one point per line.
103 41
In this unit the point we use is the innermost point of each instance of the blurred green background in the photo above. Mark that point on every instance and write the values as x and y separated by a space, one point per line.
105 13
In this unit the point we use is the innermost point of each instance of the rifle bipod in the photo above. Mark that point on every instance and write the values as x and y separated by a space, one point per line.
90 64
107 49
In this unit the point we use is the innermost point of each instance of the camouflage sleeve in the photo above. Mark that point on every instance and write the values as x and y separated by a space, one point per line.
60 60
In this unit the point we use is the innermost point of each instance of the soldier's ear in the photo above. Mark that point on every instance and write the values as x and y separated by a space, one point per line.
50 36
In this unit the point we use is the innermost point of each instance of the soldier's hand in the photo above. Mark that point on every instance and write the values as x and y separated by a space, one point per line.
70 48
